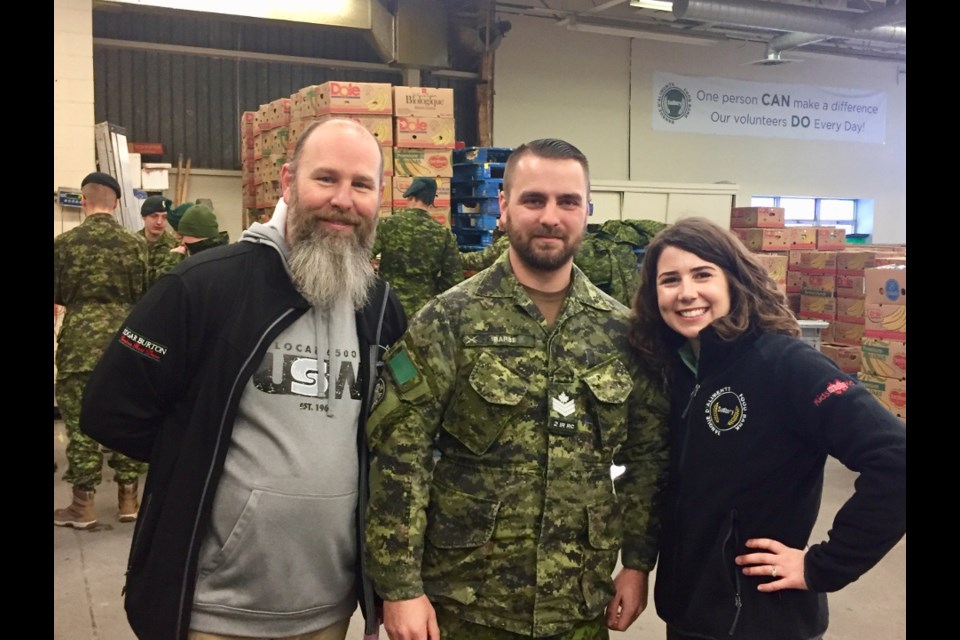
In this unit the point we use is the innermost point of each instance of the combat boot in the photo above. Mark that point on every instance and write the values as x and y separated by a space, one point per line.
127 500
80 514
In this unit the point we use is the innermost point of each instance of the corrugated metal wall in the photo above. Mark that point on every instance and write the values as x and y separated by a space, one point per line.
191 102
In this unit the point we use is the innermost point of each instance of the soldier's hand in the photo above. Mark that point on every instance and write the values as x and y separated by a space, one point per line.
410 619
630 599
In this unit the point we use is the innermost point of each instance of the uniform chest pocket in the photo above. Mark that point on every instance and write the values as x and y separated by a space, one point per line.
484 405
610 385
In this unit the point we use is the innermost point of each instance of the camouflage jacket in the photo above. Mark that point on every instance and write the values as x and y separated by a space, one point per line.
419 257
517 526
479 260
159 257
99 272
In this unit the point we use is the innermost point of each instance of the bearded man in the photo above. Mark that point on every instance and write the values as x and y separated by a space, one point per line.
245 378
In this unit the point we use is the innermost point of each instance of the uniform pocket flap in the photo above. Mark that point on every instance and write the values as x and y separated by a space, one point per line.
609 382
457 520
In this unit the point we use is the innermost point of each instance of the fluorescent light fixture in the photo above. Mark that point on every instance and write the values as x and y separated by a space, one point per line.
626 31
658 5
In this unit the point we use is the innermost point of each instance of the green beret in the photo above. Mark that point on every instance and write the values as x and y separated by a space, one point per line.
199 222
425 189
105 179
155 204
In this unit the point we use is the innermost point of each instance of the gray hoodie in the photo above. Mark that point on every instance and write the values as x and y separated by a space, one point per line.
280 556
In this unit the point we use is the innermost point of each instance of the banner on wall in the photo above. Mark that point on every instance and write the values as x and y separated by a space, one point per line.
720 106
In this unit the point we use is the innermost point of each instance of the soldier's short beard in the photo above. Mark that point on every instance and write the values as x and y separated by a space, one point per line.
328 266
522 245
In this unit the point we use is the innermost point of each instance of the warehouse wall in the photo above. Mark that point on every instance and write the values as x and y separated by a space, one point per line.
595 91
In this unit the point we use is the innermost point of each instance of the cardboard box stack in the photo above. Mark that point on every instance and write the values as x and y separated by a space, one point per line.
248 163
424 135
884 343
271 130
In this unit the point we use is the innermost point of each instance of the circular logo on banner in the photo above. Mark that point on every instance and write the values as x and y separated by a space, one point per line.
674 103
725 411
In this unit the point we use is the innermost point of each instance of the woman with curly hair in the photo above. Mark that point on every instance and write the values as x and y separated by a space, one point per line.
755 411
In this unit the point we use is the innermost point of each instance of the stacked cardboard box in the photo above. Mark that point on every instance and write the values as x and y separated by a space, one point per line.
248 163
424 138
272 130
884 345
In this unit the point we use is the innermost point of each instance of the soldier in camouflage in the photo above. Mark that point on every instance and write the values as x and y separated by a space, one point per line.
160 241
99 272
480 260
419 256
521 378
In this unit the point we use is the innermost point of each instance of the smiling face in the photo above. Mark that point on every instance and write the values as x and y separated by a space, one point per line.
691 292
545 211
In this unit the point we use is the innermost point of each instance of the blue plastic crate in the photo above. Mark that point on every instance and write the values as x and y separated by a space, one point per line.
475 206
467 248
486 222
473 237
482 154
475 189
478 171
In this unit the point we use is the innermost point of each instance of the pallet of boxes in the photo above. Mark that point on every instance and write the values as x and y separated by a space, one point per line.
826 286
424 138
263 144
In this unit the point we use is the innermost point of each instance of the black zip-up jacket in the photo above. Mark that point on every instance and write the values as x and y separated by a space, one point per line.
167 389
750 434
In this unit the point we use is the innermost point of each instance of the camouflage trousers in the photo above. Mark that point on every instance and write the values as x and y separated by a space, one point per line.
84 457
454 628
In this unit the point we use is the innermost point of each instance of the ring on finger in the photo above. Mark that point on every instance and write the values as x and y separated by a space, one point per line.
773 571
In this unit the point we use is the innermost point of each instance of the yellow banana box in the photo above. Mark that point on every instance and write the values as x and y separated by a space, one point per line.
427 102
831 238
794 280
846 356
885 358
840 332
851 310
411 161
891 393
752 217
758 239
816 307
818 284
886 285
885 321
380 126
823 262
803 237
850 286
424 133
342 97
776 265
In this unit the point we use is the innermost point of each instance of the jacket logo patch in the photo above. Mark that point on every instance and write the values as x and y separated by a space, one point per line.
145 347
725 411
836 387
564 405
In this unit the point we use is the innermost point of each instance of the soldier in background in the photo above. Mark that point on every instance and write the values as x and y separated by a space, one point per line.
523 379
161 243
480 260
419 256
99 272
199 230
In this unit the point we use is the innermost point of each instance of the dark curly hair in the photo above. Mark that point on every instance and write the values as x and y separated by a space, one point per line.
755 301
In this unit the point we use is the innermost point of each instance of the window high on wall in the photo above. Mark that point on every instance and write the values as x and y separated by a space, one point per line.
818 212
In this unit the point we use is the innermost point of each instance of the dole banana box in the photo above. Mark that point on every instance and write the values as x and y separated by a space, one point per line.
886 285
803 237
885 321
883 260
342 97
764 239
885 358
851 310
745 217
831 238
818 307
847 357
794 280
841 332
424 133
412 161
850 286
402 183
427 102
891 393
814 261
854 261
379 126
776 265
818 284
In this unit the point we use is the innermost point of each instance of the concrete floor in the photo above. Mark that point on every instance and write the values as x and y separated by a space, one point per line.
88 568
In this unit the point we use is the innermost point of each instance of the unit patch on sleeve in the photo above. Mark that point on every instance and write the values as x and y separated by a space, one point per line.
144 346
402 370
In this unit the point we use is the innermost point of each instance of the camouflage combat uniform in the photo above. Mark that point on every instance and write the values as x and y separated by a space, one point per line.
99 272
160 258
517 527
480 260
419 257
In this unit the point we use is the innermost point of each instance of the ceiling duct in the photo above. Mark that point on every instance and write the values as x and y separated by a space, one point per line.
878 26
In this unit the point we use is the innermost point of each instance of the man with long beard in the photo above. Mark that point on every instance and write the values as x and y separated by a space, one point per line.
245 377
522 377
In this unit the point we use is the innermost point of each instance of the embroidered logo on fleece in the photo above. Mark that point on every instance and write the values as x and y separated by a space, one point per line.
725 411
145 347
836 387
